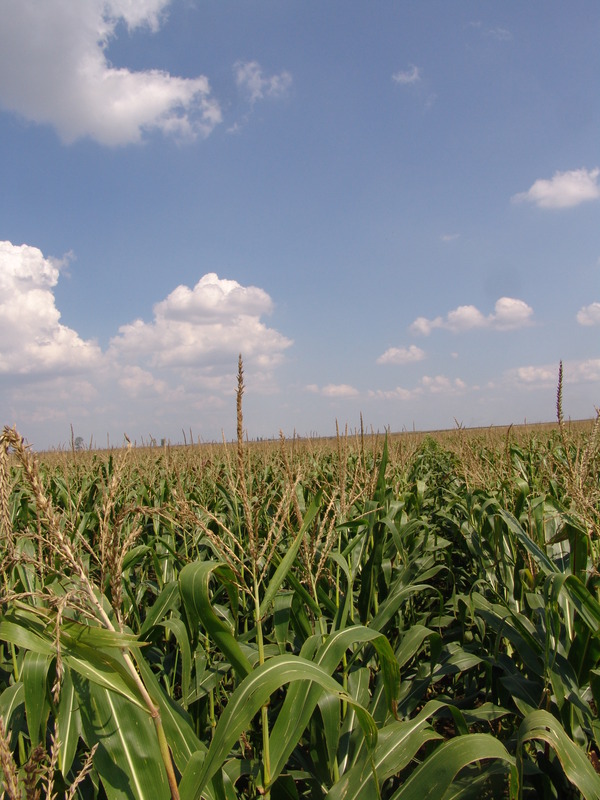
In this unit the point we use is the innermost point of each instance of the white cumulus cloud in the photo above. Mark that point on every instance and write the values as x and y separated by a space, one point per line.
202 327
464 318
32 338
563 190
509 314
54 70
179 366
423 326
589 315
136 381
401 355
214 298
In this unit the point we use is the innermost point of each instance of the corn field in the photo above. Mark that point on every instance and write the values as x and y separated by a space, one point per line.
396 617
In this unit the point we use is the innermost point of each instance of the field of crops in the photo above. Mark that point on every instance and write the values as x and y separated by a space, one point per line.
370 617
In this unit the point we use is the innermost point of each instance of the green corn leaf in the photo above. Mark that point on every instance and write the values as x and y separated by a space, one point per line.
412 639
81 649
166 601
516 628
584 650
435 774
215 789
304 596
37 705
194 580
23 636
397 744
135 555
281 618
288 560
398 595
93 636
344 610
358 687
371 574
329 708
579 596
247 699
481 781
106 669
177 627
128 758
302 699
10 700
381 486
540 725
285 789
515 528
69 723
457 660
177 725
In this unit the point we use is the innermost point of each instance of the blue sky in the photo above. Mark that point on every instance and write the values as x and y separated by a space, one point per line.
388 208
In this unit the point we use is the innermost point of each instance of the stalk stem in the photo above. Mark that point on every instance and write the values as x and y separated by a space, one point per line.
166 756
264 711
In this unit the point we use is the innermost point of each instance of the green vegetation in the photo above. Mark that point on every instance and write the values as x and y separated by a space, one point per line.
377 617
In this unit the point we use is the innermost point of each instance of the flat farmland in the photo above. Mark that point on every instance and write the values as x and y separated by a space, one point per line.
393 615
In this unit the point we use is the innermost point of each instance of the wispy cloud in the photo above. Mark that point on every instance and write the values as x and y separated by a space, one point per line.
499 33
256 85
440 384
563 190
509 314
399 393
333 390
407 77
437 385
401 355
545 376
